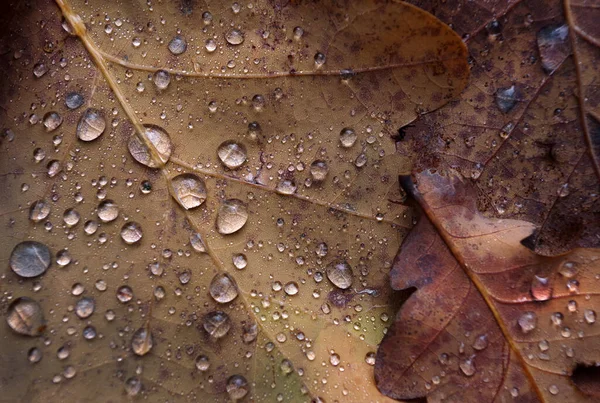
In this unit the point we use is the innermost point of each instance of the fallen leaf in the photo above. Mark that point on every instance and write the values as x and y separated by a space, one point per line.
526 127
490 320
154 147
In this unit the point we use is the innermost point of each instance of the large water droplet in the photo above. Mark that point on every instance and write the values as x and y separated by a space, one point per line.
237 387
286 187
189 190
52 120
468 366
177 45
234 37
162 78
590 316
30 259
291 288
481 342
91 125
108 211
540 288
232 216
25 316
348 137
232 154
39 210
223 288
216 324
131 232
85 307
506 98
142 342
319 170
527 322
202 363
340 274
239 261
249 332
553 45
74 100
159 140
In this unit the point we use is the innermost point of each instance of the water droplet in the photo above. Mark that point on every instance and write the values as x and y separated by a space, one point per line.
177 45
563 191
232 216
39 69
71 217
481 342
91 125
124 294
85 307
234 37
207 17
34 355
527 322
340 274
361 160
74 100
159 140
232 154
202 363
39 210
298 32
133 386
162 78
237 387
189 190
131 232
319 170
90 227
286 366
590 316
30 259
239 261
494 29
568 269
210 45
142 341
322 249
52 120
197 242
553 45
319 59
286 187
553 389
108 211
506 98
348 137
468 366
249 333
291 288
25 316
216 324
223 288
540 288
370 358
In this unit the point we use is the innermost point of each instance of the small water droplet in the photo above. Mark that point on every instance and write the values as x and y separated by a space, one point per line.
39 210
348 137
468 366
189 190
142 341
506 98
91 125
481 342
159 140
177 45
370 358
232 154
232 216
197 242
71 217
340 274
210 45
553 45
286 187
162 78
74 100
237 387
249 333
590 316
223 288
202 363
239 261
319 59
131 232
108 211
52 120
298 33
568 269
286 366
85 307
39 69
234 37
216 324
34 355
319 170
124 294
25 316
30 259
527 322
291 288
540 288
553 389
563 191
133 386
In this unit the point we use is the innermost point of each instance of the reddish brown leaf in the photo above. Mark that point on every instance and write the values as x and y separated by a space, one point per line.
490 320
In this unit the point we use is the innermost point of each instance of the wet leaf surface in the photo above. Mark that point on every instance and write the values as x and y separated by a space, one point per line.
153 148
490 320
526 128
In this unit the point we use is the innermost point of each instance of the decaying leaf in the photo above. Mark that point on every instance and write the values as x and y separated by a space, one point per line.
526 129
490 321
153 147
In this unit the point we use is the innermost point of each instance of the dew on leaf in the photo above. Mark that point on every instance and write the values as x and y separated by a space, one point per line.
568 269
71 217
370 358
39 210
590 316
30 259
124 294
541 289
162 78
177 45
142 342
481 342
249 332
34 355
25 316
210 45
319 59
468 366
232 216
188 190
52 120
232 154
506 98
90 227
286 187
347 137
334 359
527 322
207 17
340 274
74 100
197 243
39 69
91 125
223 288
361 160
160 142
319 170
85 307
298 33
216 324
553 46
237 387
63 257
108 211
286 366
291 288
234 37
77 289
202 363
